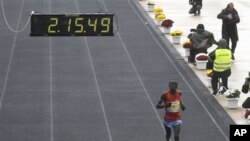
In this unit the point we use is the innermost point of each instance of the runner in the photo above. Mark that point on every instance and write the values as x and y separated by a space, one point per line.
171 101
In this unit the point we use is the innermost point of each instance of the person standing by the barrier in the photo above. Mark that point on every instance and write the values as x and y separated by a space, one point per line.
171 101
230 18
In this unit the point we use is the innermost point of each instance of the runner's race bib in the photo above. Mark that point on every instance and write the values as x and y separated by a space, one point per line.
175 107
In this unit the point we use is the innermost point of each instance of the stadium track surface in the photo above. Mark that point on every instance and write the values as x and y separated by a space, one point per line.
96 88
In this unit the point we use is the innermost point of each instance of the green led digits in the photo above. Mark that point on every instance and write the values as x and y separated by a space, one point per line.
78 25
105 22
93 24
69 25
72 24
54 23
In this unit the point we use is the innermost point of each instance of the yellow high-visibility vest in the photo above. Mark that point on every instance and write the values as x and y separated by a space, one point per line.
222 60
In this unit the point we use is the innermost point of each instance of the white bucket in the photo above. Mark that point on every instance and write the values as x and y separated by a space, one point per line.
176 39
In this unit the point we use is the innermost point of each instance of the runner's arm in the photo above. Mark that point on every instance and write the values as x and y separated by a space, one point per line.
161 103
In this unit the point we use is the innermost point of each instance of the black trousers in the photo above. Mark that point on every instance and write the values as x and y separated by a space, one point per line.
233 41
193 53
195 9
224 77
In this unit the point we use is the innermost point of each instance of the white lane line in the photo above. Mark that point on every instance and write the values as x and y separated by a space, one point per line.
96 83
11 56
51 84
141 82
179 72
7 23
99 92
138 76
51 91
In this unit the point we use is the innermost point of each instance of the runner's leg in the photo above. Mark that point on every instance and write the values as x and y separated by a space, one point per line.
168 133
177 130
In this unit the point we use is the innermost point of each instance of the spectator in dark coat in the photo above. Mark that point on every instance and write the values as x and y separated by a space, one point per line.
201 40
230 18
196 7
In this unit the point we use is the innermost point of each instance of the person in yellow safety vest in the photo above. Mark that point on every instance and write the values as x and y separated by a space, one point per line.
221 57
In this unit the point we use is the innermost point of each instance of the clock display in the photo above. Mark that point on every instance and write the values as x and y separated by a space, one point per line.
97 24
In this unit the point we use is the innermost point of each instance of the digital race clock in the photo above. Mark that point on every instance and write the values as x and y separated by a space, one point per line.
97 24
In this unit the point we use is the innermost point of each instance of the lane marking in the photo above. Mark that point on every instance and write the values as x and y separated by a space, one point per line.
138 75
11 56
51 91
51 84
96 82
7 23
